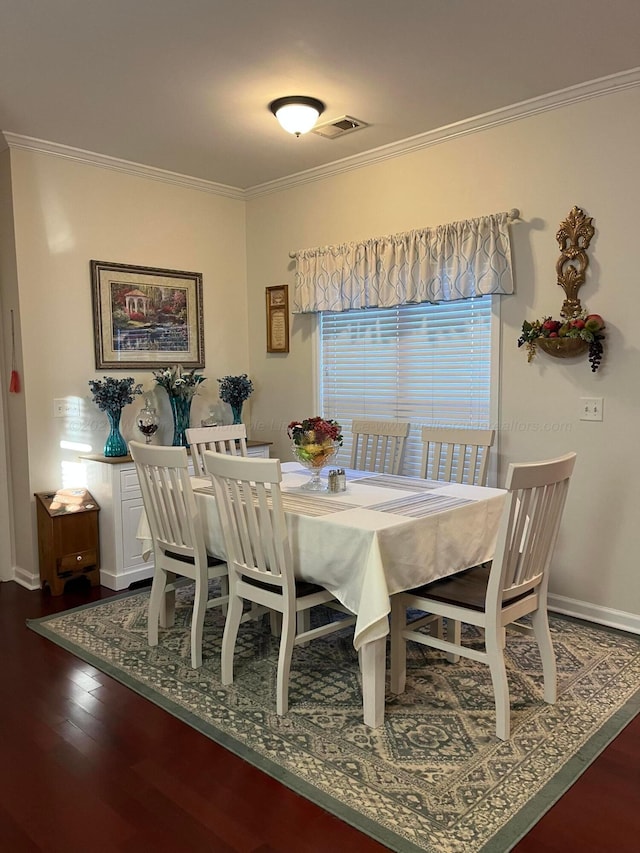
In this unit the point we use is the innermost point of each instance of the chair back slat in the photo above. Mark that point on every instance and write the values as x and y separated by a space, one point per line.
249 501
529 528
378 445
456 455
229 438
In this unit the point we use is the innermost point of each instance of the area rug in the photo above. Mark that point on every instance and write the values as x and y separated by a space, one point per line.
434 777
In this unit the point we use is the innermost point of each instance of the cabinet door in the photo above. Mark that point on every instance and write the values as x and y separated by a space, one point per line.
131 547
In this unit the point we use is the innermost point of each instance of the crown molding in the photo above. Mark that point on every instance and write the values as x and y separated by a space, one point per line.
563 97
523 109
79 155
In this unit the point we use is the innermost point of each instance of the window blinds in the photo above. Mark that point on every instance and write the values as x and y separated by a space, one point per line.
426 364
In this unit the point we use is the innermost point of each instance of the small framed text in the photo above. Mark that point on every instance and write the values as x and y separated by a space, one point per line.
278 318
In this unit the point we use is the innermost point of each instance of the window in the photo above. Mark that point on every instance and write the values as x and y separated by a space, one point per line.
426 364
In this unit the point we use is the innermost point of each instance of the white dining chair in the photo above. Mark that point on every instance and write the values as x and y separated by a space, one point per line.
378 445
249 502
178 540
459 456
456 455
495 596
228 438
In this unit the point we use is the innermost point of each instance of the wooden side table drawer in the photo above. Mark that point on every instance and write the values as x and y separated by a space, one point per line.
79 561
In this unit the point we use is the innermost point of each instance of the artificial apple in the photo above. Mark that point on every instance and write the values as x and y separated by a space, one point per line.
595 321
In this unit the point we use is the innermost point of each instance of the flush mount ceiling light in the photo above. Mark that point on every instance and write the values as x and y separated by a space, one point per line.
297 114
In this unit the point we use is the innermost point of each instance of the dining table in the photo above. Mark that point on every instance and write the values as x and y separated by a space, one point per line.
382 535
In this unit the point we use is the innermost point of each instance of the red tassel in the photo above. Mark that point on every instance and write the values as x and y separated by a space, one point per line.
14 384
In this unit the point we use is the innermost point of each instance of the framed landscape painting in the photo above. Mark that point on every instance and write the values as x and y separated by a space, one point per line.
146 318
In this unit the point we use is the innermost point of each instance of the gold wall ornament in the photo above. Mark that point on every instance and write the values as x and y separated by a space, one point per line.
573 236
563 347
576 331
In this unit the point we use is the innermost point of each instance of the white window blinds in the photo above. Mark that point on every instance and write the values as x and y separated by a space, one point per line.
426 364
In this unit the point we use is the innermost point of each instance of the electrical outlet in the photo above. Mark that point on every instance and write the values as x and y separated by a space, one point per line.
591 408
65 408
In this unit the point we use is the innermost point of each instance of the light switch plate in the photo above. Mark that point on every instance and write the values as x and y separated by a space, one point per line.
591 408
66 408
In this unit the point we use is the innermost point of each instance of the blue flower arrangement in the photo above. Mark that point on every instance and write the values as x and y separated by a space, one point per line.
112 395
234 390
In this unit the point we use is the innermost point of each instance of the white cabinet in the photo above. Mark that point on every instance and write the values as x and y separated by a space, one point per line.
258 448
113 482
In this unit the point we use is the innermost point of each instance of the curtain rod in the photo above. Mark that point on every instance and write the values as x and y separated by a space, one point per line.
513 214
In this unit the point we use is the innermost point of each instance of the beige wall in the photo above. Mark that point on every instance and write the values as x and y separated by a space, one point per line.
585 155
65 214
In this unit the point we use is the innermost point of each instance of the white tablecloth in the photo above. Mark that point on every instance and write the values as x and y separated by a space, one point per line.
383 535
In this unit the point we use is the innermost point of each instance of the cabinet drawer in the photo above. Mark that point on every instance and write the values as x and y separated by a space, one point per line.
259 451
77 562
129 485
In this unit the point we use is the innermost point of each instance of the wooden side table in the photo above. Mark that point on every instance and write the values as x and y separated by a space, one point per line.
68 537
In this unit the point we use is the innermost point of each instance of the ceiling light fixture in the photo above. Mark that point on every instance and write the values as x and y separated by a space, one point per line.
297 114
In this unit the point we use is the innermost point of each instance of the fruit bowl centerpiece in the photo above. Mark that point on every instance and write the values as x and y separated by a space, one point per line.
315 441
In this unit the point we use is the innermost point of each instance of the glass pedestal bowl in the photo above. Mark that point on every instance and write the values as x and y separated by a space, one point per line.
148 422
315 456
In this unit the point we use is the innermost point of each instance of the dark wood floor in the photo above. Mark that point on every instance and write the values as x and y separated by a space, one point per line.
87 765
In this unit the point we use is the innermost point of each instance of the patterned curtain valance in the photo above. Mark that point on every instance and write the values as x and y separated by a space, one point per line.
455 261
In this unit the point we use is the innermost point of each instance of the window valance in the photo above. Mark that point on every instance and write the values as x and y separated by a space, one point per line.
455 261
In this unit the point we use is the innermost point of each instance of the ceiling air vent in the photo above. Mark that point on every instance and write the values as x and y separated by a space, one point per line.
338 127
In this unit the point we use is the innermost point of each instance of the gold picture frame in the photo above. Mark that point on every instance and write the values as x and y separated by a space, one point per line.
277 318
146 318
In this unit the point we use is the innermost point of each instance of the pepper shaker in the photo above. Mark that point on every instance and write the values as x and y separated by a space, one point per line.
332 481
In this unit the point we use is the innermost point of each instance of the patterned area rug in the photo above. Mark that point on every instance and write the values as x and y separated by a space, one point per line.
434 778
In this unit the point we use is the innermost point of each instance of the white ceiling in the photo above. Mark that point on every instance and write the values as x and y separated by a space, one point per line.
184 85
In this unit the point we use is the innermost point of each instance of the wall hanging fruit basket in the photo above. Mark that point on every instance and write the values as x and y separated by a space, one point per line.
576 332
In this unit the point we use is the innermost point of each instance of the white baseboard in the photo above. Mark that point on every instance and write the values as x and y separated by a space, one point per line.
595 613
25 578
121 580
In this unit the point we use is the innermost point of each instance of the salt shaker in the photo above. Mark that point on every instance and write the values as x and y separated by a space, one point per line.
341 477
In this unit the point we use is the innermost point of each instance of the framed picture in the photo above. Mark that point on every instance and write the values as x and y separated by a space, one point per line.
146 318
278 318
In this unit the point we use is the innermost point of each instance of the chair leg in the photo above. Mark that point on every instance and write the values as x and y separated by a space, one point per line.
542 634
224 590
275 623
494 640
155 602
454 635
284 660
398 645
168 604
197 621
229 636
303 624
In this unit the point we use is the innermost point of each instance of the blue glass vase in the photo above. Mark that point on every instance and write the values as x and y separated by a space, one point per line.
181 410
236 411
115 445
